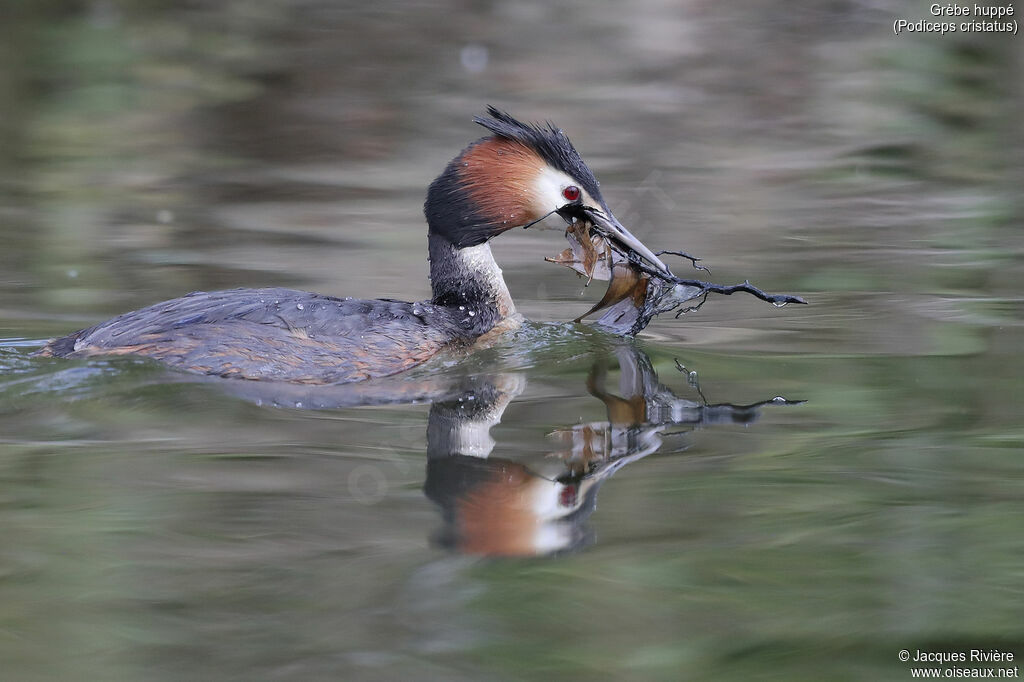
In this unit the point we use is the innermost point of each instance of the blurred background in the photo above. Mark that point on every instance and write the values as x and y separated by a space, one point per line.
164 530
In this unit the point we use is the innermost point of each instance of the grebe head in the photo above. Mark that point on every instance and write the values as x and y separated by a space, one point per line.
518 176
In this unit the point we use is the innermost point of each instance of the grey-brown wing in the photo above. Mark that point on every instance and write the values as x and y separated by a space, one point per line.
273 334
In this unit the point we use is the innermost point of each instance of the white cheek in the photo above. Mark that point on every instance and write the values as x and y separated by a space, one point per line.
548 191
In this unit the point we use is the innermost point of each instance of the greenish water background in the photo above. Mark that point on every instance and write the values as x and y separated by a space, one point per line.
154 529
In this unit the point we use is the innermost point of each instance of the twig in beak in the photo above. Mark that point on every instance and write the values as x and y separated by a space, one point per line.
709 287
611 228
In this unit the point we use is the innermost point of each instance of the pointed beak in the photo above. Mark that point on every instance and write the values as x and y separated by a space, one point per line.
611 227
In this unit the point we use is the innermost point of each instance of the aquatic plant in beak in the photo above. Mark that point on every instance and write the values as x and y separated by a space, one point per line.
638 291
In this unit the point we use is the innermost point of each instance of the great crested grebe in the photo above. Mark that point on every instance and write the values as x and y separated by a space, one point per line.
517 176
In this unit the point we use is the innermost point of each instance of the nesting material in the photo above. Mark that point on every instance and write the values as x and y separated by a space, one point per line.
637 292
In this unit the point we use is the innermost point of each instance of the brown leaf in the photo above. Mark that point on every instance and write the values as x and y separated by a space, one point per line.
590 255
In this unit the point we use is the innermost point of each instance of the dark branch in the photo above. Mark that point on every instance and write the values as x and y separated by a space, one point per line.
746 287
683 254
710 287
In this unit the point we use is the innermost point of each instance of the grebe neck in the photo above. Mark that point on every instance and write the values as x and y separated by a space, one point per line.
467 277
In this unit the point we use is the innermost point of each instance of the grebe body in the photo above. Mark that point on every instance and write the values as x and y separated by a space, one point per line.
517 176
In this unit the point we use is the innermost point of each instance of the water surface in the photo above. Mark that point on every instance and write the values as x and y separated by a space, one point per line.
565 503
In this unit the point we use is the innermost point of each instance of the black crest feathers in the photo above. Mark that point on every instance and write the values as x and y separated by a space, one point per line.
548 141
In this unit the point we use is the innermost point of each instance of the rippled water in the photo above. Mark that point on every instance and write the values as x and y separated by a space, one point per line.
747 491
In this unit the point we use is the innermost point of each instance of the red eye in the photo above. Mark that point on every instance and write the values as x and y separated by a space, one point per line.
572 192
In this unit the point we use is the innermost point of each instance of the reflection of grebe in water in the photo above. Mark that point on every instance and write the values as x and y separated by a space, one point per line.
500 507
495 506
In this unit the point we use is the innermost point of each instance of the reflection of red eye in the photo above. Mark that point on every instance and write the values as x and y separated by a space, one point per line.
572 192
